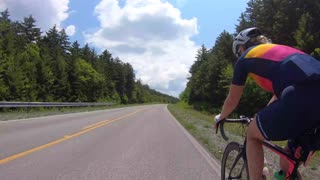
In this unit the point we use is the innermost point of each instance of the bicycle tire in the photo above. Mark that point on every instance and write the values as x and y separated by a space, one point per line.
239 156
294 177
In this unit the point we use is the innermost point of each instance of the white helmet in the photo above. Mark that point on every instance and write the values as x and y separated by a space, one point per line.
243 38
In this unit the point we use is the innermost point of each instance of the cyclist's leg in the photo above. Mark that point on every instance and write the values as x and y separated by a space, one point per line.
265 126
272 123
291 115
284 165
254 151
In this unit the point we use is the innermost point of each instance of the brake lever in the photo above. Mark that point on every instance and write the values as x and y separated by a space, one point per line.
217 128
223 133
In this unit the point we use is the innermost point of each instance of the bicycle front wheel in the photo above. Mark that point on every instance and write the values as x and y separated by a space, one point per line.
234 163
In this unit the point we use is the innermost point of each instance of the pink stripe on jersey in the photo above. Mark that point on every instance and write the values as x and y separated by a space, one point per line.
279 52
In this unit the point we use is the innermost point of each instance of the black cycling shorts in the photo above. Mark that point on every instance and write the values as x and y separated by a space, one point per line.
294 112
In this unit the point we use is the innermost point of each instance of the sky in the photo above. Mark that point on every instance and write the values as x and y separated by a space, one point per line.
159 38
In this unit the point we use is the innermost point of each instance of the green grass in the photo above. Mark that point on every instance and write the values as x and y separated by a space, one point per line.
200 125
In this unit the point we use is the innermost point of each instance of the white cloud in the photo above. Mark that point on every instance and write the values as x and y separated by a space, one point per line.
152 36
71 30
46 12
3 5
181 3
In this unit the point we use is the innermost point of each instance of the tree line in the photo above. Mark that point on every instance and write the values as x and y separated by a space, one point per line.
290 22
36 66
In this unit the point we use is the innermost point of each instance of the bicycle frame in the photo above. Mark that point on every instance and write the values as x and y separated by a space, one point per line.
294 163
293 159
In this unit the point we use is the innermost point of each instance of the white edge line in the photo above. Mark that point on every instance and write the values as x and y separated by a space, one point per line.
213 163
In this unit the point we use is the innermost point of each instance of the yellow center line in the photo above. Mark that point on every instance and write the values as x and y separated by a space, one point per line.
66 137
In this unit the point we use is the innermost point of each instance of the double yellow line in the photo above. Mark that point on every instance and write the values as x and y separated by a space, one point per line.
84 130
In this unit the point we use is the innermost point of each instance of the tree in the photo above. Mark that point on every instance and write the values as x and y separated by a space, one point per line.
47 68
89 55
118 76
4 21
202 55
7 34
45 79
140 95
90 81
73 73
244 22
304 38
64 42
129 81
105 67
53 50
29 30
223 46
316 53
28 61
197 70
10 75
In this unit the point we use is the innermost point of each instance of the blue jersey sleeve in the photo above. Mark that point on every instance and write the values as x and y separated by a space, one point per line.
240 73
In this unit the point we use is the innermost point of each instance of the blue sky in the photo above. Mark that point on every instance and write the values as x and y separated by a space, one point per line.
158 37
213 17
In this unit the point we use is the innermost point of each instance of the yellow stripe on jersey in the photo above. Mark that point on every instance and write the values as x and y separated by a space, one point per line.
259 51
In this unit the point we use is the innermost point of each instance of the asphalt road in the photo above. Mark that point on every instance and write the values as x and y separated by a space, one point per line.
136 143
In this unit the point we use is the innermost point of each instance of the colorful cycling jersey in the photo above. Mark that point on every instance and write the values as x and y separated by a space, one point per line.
274 67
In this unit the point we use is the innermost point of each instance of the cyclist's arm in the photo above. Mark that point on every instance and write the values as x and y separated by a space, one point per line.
274 98
232 100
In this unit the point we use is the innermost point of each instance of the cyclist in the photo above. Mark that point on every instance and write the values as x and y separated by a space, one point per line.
294 79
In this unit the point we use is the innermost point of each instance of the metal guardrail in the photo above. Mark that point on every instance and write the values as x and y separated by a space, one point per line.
5 104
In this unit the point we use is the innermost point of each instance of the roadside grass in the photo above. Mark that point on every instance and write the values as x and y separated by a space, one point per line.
200 125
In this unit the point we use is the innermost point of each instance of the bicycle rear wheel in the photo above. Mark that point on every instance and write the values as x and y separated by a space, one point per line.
234 163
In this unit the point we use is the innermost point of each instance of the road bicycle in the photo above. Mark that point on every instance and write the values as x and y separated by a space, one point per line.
237 168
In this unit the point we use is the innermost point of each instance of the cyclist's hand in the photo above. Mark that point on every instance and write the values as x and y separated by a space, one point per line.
217 120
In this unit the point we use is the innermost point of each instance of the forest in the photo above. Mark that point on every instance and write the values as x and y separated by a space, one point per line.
47 67
294 23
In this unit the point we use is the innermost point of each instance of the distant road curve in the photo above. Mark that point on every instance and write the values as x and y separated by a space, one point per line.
135 143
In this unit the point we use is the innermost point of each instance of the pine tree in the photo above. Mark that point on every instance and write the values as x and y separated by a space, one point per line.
64 43
105 67
304 38
89 55
53 50
197 71
11 76
29 30
129 81
73 73
28 60
90 81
